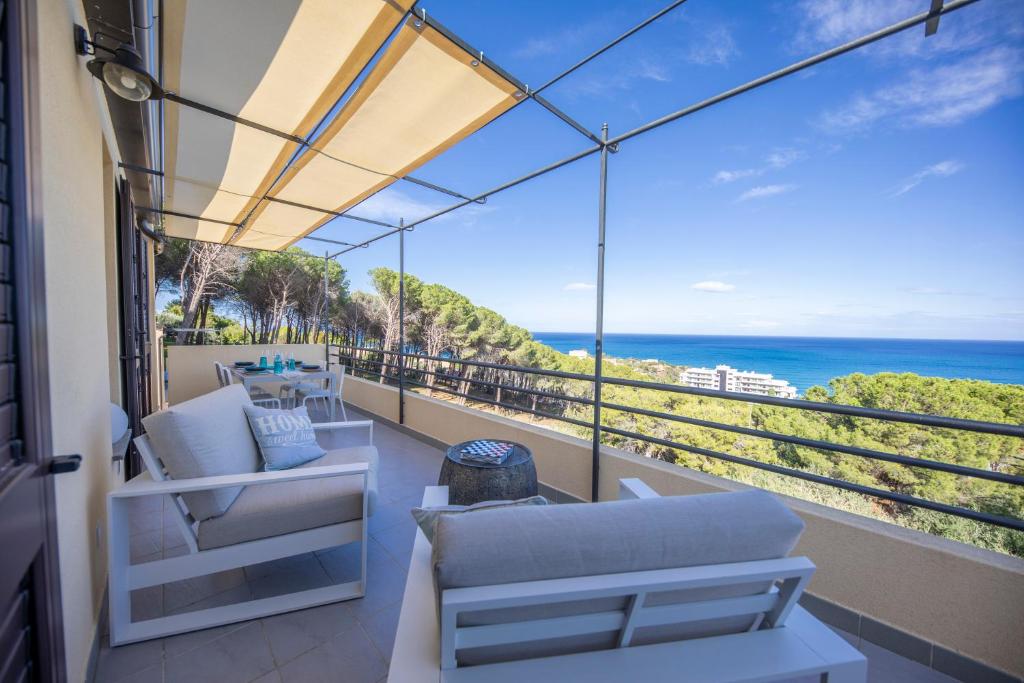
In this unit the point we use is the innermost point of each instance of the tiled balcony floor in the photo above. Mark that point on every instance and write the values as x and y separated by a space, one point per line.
347 642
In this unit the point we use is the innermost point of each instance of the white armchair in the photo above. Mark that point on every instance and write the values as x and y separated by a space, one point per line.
266 515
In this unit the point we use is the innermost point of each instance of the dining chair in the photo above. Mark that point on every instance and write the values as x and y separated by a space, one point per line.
258 395
330 392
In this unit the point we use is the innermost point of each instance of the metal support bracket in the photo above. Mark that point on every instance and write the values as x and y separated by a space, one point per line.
932 25
65 463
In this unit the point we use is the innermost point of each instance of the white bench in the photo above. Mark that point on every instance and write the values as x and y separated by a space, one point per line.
785 641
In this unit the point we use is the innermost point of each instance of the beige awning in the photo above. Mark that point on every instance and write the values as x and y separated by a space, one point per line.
424 95
282 64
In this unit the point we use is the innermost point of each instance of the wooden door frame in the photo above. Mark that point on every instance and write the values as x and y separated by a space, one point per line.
30 306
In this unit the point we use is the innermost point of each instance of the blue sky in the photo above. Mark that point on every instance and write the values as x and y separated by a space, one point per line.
878 195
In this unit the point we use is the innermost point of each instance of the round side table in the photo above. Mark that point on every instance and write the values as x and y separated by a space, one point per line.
470 482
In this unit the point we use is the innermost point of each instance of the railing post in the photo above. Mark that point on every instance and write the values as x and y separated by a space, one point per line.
401 322
326 323
595 467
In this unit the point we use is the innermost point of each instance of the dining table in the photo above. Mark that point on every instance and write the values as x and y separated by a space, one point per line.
248 379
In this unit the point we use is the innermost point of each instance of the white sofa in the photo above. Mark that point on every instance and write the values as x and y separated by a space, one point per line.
689 588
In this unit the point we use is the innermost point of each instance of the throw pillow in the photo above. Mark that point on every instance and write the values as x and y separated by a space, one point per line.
427 518
285 437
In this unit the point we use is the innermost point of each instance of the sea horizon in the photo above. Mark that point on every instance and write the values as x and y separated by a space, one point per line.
809 361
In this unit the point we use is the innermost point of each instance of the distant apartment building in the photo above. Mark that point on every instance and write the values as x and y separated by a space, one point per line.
579 353
725 378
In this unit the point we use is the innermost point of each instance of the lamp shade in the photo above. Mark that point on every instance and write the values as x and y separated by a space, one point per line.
126 75
129 84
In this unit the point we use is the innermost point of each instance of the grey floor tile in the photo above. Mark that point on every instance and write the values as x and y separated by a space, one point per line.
344 562
239 657
145 546
293 633
381 628
181 594
398 541
272 677
393 513
147 603
119 663
349 656
304 575
186 642
282 565
886 666
239 593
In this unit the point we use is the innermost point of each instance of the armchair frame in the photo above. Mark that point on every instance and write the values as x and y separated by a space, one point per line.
126 577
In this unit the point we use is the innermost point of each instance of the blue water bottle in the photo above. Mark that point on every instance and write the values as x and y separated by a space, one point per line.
278 364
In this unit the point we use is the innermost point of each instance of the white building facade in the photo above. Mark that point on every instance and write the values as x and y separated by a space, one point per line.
726 378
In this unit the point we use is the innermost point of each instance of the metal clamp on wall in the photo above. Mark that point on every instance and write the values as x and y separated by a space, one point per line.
65 463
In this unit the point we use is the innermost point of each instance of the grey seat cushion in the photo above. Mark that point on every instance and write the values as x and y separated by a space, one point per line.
269 510
510 545
205 437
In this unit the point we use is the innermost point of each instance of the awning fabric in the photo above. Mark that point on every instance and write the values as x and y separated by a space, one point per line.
425 94
282 64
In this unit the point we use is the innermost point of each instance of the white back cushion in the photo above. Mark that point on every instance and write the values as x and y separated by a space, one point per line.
205 437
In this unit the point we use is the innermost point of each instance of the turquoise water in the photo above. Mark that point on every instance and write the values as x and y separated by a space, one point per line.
807 361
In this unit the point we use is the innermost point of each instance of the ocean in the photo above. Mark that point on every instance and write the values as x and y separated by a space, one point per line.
809 361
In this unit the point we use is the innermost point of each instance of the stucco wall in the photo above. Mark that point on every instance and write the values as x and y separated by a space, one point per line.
75 221
190 368
963 598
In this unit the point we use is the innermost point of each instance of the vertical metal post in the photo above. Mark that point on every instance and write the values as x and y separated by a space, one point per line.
595 468
326 323
401 322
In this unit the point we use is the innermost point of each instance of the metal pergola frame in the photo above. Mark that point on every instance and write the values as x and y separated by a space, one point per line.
603 145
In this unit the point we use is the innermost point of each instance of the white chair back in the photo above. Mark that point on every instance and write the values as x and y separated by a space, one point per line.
219 367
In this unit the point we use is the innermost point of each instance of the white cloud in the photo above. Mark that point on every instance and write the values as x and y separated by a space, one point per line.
779 158
827 23
785 156
390 205
569 39
712 46
761 324
942 96
623 77
730 176
579 287
714 286
940 170
653 71
762 191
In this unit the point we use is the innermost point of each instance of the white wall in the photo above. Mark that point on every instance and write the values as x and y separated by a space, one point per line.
191 373
75 224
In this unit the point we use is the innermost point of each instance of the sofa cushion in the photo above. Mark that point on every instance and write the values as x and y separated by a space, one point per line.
427 518
509 545
267 510
285 437
205 437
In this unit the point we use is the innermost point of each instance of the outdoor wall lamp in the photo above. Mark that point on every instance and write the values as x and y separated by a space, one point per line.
122 70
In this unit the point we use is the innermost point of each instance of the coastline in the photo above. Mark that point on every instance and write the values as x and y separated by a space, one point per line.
812 361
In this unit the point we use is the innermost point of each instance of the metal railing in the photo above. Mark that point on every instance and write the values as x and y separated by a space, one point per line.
451 376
